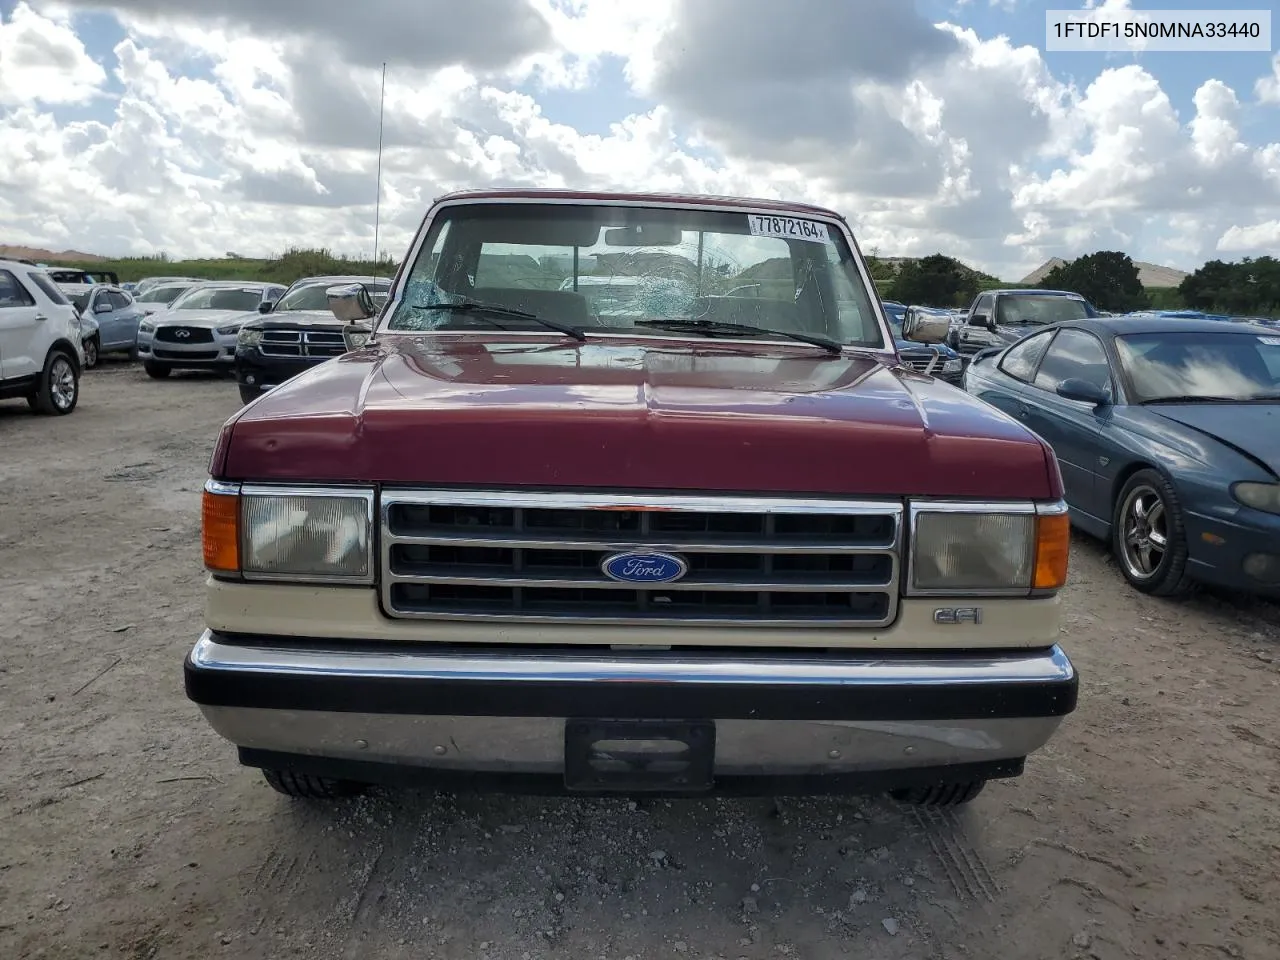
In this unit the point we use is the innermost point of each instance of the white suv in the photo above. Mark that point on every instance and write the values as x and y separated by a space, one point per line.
40 351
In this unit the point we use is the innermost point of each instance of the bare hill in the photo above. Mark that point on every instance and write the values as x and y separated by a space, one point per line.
1150 274
47 256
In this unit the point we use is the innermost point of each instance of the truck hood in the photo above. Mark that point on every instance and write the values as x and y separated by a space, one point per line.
632 414
201 318
1251 428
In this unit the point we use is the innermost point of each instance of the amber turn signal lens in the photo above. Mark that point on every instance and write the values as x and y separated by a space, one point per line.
220 531
1053 547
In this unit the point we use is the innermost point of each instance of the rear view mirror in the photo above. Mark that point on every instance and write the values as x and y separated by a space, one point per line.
350 303
925 328
1074 388
356 335
645 235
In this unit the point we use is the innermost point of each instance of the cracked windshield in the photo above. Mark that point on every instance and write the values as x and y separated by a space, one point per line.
609 269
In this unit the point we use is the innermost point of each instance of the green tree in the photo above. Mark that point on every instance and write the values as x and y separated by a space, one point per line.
934 281
1251 286
1108 279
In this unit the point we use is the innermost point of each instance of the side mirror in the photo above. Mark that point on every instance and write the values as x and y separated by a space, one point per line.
351 303
981 320
102 307
925 328
356 335
1074 388
266 306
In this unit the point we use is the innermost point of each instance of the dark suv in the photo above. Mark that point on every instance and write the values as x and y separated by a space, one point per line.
998 318
297 333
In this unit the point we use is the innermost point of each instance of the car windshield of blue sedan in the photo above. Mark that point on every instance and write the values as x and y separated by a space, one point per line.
1188 367
221 298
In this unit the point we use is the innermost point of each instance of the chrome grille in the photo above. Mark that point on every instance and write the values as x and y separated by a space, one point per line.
491 555
299 343
921 363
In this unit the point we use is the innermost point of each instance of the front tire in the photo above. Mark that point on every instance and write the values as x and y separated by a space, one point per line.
91 351
303 786
939 794
157 371
58 391
1149 537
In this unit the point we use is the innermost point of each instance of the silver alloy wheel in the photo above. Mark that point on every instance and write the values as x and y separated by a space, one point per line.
62 383
1144 532
90 353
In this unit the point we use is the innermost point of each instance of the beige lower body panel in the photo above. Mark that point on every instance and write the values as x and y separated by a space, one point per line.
351 613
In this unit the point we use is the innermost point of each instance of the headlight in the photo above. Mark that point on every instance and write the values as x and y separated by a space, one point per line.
146 327
962 548
1260 496
228 330
289 533
248 337
951 366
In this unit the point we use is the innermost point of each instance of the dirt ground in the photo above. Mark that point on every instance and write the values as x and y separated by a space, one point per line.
1147 829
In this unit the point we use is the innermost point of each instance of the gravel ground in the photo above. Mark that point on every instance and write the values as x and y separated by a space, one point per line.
1146 829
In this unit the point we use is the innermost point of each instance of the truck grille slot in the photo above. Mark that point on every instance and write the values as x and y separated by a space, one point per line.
538 557
299 343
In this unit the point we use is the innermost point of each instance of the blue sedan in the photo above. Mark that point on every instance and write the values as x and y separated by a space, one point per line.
1167 432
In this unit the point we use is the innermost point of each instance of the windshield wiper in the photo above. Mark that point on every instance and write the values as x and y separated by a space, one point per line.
498 310
712 327
1193 398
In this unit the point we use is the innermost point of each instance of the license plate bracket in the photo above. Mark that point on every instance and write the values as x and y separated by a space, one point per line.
638 756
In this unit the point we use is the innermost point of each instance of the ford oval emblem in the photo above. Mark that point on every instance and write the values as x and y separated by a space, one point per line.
639 567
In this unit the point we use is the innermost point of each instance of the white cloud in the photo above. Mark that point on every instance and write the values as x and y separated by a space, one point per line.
256 131
42 59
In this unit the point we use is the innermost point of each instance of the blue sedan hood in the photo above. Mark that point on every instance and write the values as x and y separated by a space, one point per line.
1253 428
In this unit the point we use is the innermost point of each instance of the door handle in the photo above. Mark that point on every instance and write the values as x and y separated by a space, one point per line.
40 318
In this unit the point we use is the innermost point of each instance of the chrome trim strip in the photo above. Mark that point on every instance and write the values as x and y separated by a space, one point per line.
730 586
522 499
1038 666
728 546
353 493
222 488
656 502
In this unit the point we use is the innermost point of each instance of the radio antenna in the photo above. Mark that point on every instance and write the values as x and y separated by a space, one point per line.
377 208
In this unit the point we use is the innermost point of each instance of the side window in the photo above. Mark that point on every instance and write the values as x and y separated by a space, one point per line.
1022 359
50 289
1074 354
13 293
983 305
119 299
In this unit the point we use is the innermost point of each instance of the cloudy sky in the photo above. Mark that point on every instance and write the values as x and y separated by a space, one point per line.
201 126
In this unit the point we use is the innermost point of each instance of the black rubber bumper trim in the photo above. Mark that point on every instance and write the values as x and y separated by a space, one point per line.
627 699
552 784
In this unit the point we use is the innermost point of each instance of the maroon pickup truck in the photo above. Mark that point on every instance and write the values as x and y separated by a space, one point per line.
693 530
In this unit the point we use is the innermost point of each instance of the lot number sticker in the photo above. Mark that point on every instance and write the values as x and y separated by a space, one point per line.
789 228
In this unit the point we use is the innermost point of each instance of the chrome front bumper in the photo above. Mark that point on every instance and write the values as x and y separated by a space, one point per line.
506 713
